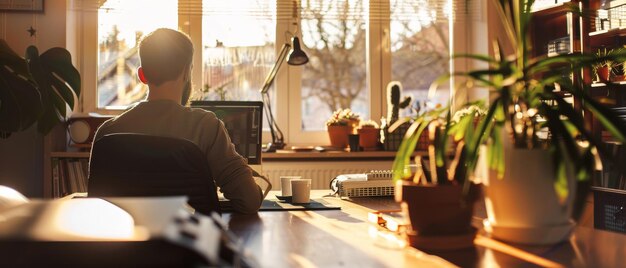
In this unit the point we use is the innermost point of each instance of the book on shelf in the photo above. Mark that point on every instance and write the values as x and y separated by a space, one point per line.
612 174
55 178
69 175
72 175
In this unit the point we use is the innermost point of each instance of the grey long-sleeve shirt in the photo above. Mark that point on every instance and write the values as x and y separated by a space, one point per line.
169 119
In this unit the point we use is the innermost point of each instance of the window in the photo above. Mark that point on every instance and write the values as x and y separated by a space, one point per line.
118 40
419 49
355 48
336 75
236 54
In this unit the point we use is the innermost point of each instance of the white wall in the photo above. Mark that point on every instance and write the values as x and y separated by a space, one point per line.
21 155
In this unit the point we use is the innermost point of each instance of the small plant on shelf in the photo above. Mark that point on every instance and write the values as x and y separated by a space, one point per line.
369 134
395 102
604 68
368 124
343 117
341 124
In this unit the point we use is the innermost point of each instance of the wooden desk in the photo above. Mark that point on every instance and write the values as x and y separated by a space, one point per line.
344 238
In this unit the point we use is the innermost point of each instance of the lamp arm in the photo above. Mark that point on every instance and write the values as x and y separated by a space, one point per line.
269 80
268 112
275 132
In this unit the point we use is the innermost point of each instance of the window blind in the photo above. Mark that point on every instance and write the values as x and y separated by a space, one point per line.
439 10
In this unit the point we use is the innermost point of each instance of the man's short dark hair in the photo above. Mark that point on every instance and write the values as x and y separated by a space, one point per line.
164 54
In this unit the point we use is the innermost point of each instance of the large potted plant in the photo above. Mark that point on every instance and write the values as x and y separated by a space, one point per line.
35 89
435 192
539 152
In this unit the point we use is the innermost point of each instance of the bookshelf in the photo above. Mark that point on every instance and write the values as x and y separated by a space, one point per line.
66 173
607 30
557 30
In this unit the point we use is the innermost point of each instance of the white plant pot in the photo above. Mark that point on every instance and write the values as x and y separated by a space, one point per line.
523 206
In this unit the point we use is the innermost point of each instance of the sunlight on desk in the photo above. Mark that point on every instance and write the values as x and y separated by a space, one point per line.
492 244
346 238
93 219
328 238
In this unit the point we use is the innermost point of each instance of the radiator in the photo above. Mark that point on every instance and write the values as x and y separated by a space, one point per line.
320 173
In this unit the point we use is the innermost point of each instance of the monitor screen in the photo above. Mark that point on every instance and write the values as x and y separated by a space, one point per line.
243 121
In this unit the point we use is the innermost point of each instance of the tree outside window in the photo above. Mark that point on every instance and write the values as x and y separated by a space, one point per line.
334 35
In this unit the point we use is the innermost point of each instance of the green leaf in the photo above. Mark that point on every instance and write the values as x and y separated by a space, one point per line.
405 151
20 102
59 61
57 81
479 57
607 118
497 153
560 185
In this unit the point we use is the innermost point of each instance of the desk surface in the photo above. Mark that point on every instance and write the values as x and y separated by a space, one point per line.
344 238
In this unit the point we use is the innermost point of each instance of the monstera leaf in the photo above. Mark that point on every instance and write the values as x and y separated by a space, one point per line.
20 102
57 82
36 89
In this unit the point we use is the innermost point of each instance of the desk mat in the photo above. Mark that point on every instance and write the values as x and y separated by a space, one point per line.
277 205
315 204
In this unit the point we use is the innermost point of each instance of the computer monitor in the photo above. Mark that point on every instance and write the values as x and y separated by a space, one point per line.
244 123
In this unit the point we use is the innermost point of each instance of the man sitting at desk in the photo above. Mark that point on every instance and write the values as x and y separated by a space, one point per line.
166 63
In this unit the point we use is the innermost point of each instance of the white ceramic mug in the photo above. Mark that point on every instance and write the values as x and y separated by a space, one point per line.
300 191
285 184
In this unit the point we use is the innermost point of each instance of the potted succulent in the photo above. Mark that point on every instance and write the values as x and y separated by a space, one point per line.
617 68
368 134
436 193
35 89
538 151
392 139
604 68
341 124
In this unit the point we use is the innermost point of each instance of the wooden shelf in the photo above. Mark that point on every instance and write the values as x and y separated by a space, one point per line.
550 11
289 155
69 154
600 38
620 83
332 155
611 190
563 94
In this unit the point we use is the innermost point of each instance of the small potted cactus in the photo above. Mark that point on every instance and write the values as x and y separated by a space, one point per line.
340 125
392 139
368 135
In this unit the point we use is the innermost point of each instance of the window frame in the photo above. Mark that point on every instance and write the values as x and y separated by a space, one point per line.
287 84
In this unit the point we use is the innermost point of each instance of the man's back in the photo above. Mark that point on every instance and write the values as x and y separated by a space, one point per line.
170 119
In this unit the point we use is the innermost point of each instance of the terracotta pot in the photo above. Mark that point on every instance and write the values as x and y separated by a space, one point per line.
423 141
618 78
604 73
339 135
439 210
368 137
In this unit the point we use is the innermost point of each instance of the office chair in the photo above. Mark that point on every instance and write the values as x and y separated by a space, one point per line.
141 165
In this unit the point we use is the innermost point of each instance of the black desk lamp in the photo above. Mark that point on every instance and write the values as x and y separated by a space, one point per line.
295 57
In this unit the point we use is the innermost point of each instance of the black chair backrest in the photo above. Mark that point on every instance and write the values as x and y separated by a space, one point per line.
142 165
